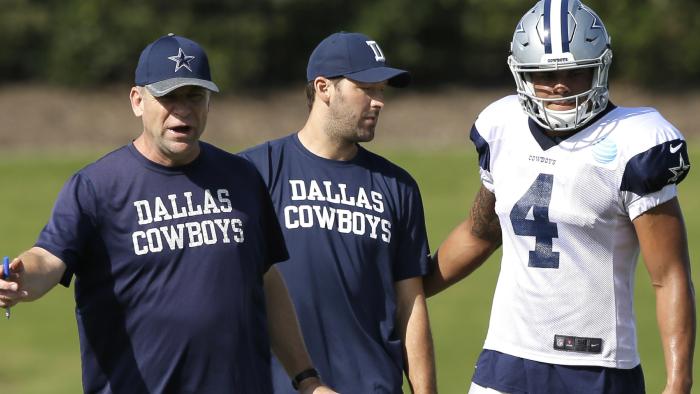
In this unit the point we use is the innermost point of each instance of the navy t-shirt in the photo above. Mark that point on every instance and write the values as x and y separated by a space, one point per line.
353 229
168 265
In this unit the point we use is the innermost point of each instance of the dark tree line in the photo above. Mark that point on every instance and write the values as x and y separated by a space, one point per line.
251 43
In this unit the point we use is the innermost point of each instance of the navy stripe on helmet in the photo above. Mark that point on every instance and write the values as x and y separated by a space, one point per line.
547 35
565 26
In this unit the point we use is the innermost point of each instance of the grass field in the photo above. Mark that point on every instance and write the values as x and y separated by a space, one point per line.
40 352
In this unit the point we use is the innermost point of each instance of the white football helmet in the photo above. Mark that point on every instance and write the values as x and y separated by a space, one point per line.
560 35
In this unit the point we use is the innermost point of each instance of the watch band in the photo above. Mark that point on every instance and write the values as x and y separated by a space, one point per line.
305 374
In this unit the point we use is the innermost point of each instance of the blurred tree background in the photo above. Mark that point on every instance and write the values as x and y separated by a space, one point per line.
266 43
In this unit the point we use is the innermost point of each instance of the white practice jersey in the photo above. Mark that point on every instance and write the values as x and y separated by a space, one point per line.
565 289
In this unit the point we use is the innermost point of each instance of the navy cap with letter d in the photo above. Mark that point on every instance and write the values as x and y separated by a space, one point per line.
354 56
171 62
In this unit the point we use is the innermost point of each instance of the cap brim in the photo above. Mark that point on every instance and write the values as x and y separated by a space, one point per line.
394 76
161 88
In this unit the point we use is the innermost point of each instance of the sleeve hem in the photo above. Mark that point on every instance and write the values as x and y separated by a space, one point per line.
649 201
68 273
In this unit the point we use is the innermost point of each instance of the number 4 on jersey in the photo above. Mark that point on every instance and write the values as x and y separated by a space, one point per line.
537 197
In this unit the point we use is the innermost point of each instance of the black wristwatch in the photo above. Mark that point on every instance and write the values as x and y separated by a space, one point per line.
305 374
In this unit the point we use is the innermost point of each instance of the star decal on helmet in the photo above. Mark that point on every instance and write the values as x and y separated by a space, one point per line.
181 60
597 23
679 171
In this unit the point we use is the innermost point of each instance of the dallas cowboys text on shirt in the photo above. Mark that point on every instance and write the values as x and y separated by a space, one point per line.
304 212
192 233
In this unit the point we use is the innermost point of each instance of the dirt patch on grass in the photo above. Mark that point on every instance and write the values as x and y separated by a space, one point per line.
55 119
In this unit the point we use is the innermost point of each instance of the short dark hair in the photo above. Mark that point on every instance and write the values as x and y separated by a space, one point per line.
310 94
310 91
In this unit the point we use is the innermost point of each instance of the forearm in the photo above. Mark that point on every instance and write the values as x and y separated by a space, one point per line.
41 272
458 256
467 246
664 245
412 316
675 311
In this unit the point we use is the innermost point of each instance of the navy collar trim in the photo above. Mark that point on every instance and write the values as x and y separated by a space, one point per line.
545 141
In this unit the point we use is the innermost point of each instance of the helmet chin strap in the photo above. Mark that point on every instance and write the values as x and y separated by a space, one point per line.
560 120
566 120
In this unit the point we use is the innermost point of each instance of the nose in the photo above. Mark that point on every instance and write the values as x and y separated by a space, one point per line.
377 100
180 108
561 88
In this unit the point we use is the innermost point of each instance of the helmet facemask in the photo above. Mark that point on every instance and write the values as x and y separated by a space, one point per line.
587 104
574 39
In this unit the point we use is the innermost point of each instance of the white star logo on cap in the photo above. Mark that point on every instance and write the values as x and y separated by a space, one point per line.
181 60
678 171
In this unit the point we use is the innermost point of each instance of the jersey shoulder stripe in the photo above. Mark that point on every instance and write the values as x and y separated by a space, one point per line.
482 149
656 152
492 123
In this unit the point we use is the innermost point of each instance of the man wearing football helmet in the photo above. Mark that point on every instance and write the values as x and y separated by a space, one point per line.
573 188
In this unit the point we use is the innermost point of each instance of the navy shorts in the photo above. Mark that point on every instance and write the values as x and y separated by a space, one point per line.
516 375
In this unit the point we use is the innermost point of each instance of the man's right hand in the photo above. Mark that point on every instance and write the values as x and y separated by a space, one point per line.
32 274
11 291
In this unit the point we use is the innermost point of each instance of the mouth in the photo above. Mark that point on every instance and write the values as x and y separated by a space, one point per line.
181 129
372 117
561 105
369 122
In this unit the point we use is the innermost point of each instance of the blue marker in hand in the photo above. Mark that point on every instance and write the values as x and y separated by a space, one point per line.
5 275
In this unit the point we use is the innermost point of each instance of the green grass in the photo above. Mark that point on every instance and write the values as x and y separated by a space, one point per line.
40 346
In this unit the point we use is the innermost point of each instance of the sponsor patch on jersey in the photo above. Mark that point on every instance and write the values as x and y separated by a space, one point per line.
605 151
570 343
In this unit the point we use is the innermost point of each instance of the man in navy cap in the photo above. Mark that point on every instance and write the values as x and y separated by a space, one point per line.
354 227
172 243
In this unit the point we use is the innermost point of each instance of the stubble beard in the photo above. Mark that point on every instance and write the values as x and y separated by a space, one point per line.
344 126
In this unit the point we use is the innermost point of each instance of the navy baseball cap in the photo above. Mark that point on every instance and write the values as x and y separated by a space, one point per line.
171 62
354 56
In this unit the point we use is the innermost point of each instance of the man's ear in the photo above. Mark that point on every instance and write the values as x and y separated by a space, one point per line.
323 87
136 98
